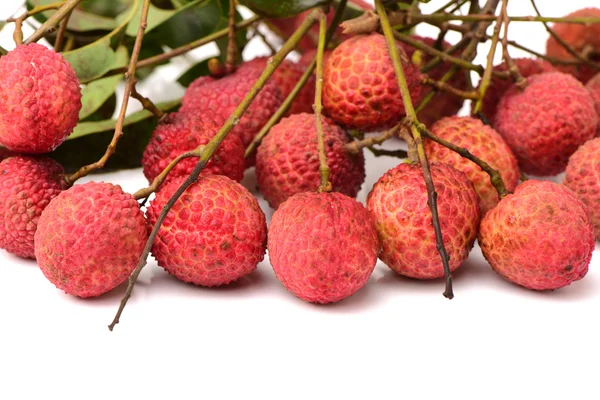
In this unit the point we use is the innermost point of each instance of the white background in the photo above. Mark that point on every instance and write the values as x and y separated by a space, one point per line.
396 338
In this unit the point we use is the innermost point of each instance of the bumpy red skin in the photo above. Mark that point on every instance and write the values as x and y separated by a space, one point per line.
287 76
90 238
498 86
593 86
545 123
540 237
216 232
27 184
483 142
218 98
398 205
322 246
579 37
360 89
443 104
40 99
583 177
180 133
287 161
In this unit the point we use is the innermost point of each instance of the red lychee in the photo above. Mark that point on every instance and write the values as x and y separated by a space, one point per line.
182 132
287 76
593 86
218 98
540 237
443 104
483 142
498 86
398 205
214 234
546 122
287 160
360 88
27 184
583 38
40 99
90 238
322 246
583 177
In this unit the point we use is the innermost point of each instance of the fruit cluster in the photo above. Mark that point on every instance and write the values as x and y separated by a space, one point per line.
323 245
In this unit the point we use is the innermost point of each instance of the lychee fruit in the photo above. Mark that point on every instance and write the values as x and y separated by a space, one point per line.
287 76
90 238
183 132
583 38
360 88
27 184
583 177
498 86
443 104
483 142
546 122
322 246
40 99
540 237
287 160
593 86
218 98
398 205
214 234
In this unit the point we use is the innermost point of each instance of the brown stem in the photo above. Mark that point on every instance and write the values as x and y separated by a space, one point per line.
412 117
324 170
408 17
60 36
388 153
445 87
510 63
495 177
211 147
413 151
451 50
356 146
54 19
147 103
367 22
18 33
265 41
129 83
232 50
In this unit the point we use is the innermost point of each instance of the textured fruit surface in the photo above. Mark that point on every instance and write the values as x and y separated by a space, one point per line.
27 185
286 76
483 142
583 177
593 86
540 237
360 89
287 160
322 246
182 132
582 38
218 98
90 238
443 104
498 86
546 122
398 205
40 99
214 234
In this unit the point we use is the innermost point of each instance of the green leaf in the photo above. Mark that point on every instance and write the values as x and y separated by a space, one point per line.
90 139
197 70
157 16
281 8
97 58
96 93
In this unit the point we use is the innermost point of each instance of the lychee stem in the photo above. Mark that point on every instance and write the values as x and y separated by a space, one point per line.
232 49
356 146
285 106
405 17
412 117
60 36
495 177
212 146
325 185
129 83
257 33
562 42
445 87
18 33
54 19
147 103
512 66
